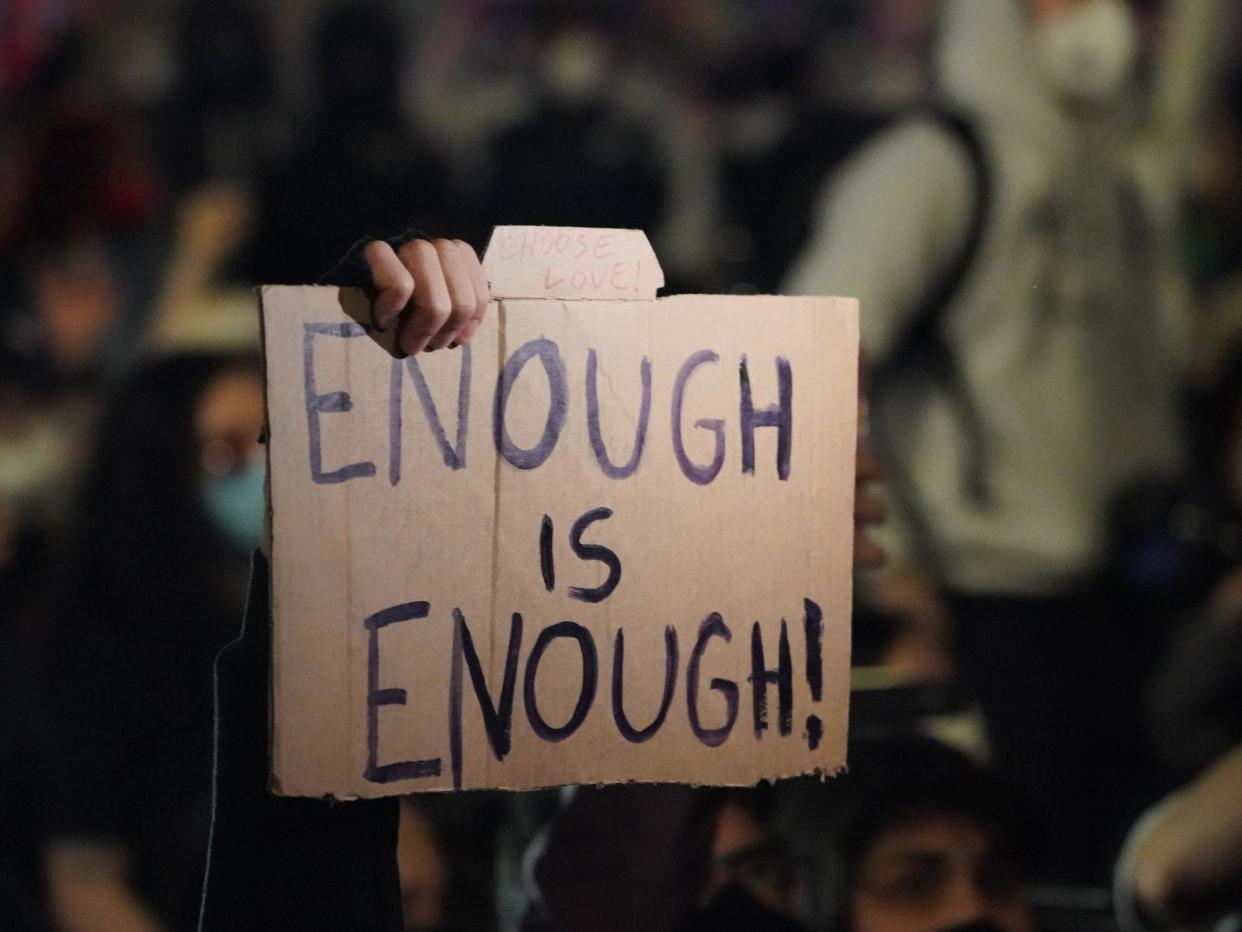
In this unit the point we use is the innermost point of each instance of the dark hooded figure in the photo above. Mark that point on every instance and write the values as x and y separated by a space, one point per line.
172 507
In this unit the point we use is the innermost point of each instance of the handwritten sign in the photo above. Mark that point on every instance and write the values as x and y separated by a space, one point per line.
609 540
561 262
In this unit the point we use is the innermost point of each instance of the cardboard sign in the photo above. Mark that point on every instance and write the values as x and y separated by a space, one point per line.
609 540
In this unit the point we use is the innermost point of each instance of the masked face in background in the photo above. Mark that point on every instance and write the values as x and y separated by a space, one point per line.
229 420
573 68
1085 50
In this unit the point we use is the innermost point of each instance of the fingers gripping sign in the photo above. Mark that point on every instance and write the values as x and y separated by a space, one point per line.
394 285
433 291
482 293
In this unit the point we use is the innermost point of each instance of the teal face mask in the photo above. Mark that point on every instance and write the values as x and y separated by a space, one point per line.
234 505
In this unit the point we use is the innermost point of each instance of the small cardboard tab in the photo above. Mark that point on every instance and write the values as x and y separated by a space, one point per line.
605 541
572 263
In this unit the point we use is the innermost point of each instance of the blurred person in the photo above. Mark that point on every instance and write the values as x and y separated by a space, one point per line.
285 862
47 414
916 838
221 120
1182 867
903 630
1194 701
446 857
82 170
421 865
1192 548
1176 572
76 242
747 862
471 80
776 141
1182 864
76 195
173 501
49 407
34 463
579 159
171 508
356 169
75 297
663 858
1013 249
64 284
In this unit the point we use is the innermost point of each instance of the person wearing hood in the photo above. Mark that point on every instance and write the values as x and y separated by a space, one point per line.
1013 249
172 506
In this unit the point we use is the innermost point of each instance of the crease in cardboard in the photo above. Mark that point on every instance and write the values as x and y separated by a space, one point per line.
502 333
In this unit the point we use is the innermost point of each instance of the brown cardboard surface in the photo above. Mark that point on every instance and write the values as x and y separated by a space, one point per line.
572 263
416 494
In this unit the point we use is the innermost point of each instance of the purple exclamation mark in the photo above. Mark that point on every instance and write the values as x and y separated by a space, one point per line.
813 622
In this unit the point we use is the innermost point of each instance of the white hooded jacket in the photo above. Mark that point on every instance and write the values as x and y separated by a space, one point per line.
1070 327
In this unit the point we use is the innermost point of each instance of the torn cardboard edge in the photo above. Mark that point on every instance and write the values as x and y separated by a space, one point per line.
822 774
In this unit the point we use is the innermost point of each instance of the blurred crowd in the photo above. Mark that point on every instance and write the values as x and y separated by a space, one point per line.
1039 203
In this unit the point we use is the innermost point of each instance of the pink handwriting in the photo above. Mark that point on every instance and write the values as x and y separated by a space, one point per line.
541 243
622 277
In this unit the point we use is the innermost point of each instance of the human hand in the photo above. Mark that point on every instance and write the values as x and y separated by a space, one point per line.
433 291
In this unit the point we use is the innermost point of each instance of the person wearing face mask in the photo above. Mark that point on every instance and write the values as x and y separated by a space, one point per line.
1025 317
172 507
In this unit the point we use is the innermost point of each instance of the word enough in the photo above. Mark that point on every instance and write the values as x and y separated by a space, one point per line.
546 353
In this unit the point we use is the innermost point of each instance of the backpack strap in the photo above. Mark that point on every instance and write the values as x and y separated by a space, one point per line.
924 327
922 347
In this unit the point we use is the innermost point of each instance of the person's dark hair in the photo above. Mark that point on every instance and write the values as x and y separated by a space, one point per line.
144 540
150 594
225 55
358 59
892 781
896 781
1221 419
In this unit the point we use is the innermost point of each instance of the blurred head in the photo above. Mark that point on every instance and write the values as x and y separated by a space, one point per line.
574 66
930 842
935 872
744 852
173 501
358 59
422 869
916 837
76 295
1085 50
87 173
227 422
224 55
